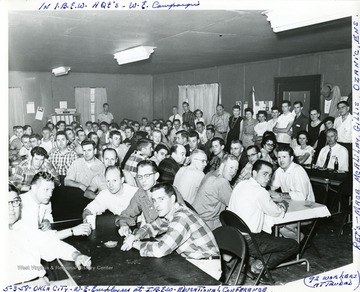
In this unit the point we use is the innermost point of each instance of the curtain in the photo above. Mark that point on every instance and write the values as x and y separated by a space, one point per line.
82 103
204 97
16 108
100 99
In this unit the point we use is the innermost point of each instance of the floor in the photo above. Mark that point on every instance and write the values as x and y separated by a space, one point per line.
335 251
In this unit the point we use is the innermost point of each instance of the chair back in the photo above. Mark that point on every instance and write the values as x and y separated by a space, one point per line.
229 218
230 240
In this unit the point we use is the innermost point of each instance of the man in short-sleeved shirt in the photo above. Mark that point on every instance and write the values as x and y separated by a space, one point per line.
284 124
105 116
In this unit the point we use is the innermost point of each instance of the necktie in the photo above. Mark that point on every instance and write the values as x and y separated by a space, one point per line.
327 158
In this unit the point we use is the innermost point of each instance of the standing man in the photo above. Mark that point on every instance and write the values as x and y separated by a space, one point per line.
175 116
218 145
105 116
252 203
343 125
188 116
300 122
220 120
215 191
284 124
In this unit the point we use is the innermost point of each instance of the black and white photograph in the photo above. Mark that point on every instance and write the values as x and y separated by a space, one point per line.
181 145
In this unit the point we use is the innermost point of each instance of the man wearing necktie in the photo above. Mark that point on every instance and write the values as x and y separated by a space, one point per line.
331 151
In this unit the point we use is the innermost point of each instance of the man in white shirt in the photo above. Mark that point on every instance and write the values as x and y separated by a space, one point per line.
188 178
252 203
28 247
284 124
331 151
275 112
343 125
115 142
294 183
175 115
105 116
115 198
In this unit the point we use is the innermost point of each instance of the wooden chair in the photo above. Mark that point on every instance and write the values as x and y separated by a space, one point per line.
230 240
229 218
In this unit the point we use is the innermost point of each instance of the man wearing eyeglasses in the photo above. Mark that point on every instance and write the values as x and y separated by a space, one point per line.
141 208
27 247
253 154
188 178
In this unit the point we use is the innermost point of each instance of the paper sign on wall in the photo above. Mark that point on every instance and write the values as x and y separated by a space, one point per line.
39 113
30 107
63 104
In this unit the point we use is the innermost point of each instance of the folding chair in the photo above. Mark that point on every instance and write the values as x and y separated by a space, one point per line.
230 239
229 218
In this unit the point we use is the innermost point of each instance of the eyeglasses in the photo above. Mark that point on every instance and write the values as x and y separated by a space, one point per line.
202 160
145 176
15 203
45 175
270 145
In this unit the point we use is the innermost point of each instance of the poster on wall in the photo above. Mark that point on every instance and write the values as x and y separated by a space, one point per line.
39 113
30 107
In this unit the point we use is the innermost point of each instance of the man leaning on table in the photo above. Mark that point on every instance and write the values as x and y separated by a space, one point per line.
28 246
294 183
252 203
179 230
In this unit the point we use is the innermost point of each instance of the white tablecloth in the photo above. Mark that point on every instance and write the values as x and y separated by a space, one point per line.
298 211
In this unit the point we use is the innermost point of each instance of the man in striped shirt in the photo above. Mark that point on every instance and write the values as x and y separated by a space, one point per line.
180 230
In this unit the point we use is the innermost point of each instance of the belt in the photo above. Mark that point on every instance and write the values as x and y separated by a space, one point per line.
37 278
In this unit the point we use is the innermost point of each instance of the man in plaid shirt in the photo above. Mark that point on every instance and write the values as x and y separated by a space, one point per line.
63 156
144 151
181 230
26 170
188 116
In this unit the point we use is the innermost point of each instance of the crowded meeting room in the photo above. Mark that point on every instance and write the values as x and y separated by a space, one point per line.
173 147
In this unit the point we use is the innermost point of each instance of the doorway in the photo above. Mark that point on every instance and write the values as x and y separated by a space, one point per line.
299 88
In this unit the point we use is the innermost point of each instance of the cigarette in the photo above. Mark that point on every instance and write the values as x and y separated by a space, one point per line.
87 261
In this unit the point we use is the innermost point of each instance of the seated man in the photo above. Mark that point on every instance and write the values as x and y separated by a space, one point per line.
36 208
200 129
294 183
331 151
62 156
143 152
82 170
194 141
15 144
252 203
104 139
80 136
210 134
27 247
26 170
68 202
217 145
215 191
140 204
253 154
182 138
160 153
177 229
46 141
116 143
171 165
156 137
115 198
188 178
35 140
24 152
98 183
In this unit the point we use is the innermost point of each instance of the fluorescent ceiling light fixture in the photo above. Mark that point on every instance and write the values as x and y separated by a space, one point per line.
59 71
134 54
285 19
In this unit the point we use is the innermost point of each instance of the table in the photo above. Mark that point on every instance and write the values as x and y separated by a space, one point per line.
329 178
298 211
111 266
